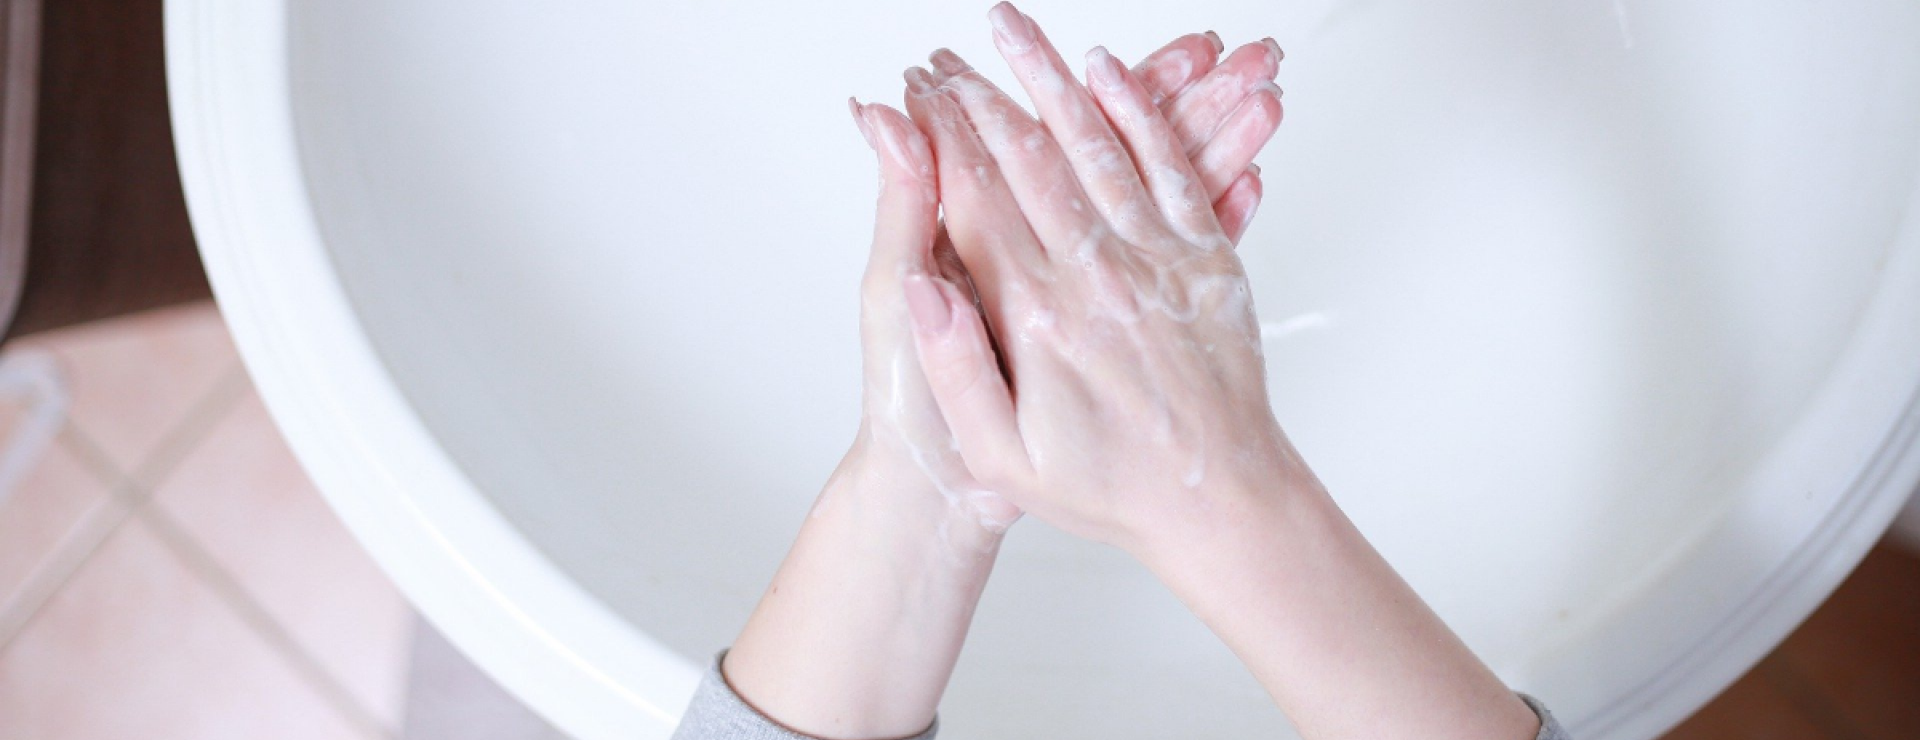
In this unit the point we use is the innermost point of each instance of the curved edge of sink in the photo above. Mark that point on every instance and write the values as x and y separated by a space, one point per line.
461 564
1830 490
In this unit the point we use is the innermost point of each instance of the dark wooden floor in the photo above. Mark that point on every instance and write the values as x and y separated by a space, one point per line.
1851 672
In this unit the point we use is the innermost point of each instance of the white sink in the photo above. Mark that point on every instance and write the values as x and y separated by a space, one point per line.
1602 320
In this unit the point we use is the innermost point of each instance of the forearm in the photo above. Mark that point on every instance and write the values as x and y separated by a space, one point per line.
1342 644
859 631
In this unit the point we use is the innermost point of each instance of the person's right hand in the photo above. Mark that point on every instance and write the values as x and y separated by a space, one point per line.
1134 406
1137 397
1221 118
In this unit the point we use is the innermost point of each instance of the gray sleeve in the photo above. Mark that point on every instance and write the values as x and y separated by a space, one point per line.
1549 728
716 713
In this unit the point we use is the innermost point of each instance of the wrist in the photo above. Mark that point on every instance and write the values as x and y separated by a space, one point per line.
862 624
1323 621
883 488
1196 528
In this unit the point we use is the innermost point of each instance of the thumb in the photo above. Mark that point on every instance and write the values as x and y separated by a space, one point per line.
908 210
964 376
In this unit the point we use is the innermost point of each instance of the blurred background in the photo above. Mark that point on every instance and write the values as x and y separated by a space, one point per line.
167 570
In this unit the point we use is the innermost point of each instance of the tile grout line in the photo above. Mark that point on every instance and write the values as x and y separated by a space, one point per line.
81 531
207 568
130 496
125 493
71 554
193 428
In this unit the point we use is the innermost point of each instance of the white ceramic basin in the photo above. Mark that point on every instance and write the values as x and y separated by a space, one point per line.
1601 319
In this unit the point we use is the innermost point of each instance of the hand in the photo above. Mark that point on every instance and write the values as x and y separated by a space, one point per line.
860 628
1133 407
1122 313
1221 124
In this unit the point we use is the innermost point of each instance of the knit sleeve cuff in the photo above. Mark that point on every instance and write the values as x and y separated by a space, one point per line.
718 713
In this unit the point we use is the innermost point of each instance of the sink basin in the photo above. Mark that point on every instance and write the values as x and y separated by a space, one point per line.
1601 320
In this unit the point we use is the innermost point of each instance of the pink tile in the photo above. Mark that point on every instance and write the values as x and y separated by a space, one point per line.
44 512
243 496
136 647
45 506
134 379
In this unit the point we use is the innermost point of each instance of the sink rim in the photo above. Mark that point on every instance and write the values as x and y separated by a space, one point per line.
461 564
525 621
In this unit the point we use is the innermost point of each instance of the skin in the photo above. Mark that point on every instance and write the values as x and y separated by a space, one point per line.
858 632
1133 407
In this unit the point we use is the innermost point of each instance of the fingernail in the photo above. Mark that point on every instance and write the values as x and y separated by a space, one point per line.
918 81
860 119
1011 27
1253 168
1275 46
1106 70
906 148
1270 85
927 306
1218 45
948 62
